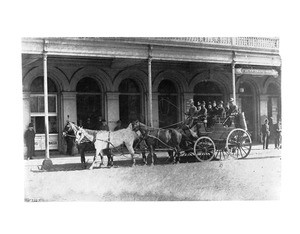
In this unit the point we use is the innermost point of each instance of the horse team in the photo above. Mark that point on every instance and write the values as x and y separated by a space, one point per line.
106 140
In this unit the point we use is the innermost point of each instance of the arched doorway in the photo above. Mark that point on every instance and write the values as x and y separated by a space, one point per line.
247 97
37 113
207 91
130 101
274 102
167 103
89 102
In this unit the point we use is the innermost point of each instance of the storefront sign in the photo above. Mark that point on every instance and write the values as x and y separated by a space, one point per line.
40 142
256 72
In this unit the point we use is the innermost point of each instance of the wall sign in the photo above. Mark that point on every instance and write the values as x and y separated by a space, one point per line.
40 142
256 72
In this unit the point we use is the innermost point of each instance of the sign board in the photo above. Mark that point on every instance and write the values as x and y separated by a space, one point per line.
40 142
256 72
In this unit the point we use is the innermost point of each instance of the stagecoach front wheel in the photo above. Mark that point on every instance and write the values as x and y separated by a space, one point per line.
238 143
204 149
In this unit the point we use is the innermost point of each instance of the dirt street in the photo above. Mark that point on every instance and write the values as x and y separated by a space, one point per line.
257 177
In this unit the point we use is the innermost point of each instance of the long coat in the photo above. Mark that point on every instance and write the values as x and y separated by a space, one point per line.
29 141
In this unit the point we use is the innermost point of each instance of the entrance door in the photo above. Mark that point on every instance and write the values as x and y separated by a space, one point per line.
167 103
248 106
130 102
88 102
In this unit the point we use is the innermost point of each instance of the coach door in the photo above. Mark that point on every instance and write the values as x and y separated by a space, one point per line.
168 103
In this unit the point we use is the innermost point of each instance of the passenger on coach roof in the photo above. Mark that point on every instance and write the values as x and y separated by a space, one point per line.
221 110
192 112
202 113
233 108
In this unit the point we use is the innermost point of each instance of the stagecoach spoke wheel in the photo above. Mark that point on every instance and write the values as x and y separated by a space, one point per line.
204 149
238 143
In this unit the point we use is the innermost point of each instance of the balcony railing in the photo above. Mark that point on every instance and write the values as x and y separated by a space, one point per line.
252 42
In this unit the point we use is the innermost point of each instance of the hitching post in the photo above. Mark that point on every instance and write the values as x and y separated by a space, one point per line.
150 85
47 163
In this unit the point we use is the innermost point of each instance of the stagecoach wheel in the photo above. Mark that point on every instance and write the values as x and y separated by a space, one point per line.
221 154
204 149
238 143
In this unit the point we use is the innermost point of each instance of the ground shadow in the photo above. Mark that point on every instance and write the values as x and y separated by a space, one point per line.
117 163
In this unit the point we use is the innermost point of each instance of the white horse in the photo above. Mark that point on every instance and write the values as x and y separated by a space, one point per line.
106 139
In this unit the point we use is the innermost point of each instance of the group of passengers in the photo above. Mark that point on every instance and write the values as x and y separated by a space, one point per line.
208 115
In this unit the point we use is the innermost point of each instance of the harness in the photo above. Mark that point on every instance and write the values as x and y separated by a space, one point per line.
145 134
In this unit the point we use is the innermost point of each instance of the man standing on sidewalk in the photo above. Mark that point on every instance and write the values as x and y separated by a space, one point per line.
265 132
29 141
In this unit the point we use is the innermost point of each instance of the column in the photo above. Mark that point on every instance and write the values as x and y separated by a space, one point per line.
233 80
155 110
26 114
47 153
150 117
113 110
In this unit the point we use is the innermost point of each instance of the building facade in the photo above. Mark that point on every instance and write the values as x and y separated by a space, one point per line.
149 79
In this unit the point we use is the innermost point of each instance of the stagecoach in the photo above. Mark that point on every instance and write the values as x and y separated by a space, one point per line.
219 141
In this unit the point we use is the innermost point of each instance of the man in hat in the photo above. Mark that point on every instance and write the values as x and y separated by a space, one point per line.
202 113
69 136
210 115
233 108
265 132
231 113
277 129
221 110
191 113
29 141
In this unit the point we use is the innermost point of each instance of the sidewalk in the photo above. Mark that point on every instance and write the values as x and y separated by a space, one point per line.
256 153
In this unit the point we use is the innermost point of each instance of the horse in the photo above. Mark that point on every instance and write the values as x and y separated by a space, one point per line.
105 140
168 137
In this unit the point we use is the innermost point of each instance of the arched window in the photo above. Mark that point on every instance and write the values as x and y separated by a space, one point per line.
207 87
130 101
37 112
168 103
88 85
207 91
89 102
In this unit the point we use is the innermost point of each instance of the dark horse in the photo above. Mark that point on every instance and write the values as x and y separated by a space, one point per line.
170 138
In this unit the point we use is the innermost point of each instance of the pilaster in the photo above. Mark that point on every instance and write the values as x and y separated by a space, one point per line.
113 114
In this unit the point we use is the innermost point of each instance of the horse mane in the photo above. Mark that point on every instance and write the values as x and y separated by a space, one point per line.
129 126
91 132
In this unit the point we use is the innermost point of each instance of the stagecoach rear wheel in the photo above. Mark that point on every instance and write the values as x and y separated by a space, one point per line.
204 149
238 143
